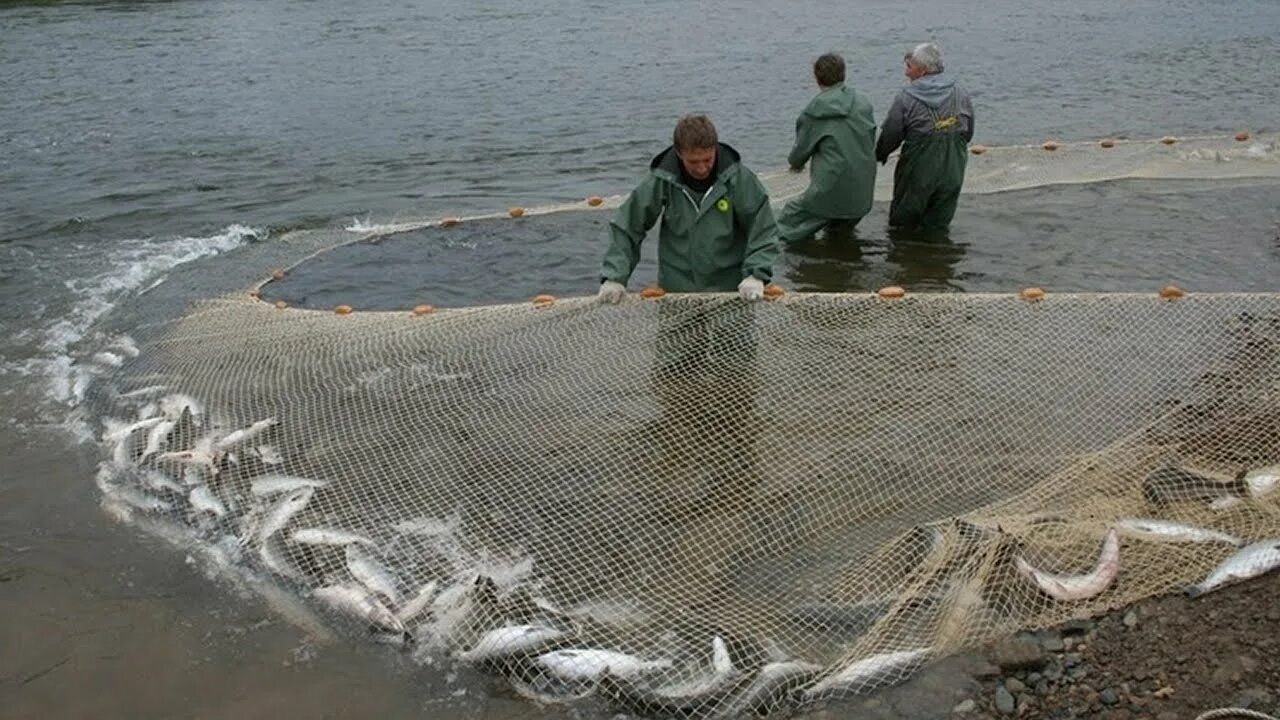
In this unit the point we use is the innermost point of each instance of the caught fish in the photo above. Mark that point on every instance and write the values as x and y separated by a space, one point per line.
275 561
1165 531
1078 587
372 574
870 673
126 345
194 458
504 642
692 696
244 435
418 603
138 499
590 664
143 393
156 480
1262 481
769 689
1247 562
329 536
269 455
1169 484
158 437
202 499
272 484
359 604
173 406
117 431
283 511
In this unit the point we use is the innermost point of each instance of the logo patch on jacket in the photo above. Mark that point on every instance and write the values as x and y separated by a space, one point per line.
722 205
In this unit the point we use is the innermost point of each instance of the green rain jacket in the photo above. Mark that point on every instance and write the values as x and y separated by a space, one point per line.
705 244
836 135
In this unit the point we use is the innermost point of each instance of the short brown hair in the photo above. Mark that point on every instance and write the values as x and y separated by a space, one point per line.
828 70
694 132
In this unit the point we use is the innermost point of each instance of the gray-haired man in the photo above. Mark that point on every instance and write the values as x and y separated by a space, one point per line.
932 119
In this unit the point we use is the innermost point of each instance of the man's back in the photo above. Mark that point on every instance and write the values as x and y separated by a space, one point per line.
836 132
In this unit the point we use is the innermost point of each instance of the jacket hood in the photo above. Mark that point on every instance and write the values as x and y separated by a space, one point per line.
667 160
932 90
836 101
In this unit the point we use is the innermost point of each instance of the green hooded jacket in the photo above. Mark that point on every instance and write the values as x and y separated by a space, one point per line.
836 135
706 244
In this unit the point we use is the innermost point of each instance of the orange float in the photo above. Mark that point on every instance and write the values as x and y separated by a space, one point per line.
1032 293
1171 292
516 212
595 200
773 292
891 292
423 310
343 310
277 274
450 221
1242 136
1108 143
652 292
280 304
1168 140
544 300
978 149
1050 145
253 294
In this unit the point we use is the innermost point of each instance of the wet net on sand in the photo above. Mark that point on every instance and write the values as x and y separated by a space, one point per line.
695 506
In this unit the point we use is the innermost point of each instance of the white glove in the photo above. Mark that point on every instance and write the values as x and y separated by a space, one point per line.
611 292
751 289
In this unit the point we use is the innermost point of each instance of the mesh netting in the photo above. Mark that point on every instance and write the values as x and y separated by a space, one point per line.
696 506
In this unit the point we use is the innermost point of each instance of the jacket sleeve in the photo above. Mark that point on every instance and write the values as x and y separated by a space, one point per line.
966 116
804 145
755 216
892 131
633 219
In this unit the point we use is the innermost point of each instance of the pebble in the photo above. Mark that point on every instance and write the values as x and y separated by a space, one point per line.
1131 620
1014 685
1108 696
1004 701
966 706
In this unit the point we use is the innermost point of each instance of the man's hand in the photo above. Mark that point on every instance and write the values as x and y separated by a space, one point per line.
611 292
751 289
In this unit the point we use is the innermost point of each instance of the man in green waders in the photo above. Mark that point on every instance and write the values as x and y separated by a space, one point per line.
932 119
836 135
717 234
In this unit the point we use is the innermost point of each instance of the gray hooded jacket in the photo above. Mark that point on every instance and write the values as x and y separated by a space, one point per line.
917 109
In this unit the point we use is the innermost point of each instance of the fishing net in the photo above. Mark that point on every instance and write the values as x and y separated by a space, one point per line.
690 505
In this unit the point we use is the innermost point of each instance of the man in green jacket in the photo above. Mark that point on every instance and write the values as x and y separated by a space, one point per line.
932 119
836 135
717 232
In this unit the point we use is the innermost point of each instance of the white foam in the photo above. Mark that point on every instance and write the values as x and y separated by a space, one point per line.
66 365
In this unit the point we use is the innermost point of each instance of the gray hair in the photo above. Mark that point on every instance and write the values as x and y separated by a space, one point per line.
927 56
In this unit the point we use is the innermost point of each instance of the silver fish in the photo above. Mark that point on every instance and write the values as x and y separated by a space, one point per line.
589 664
1247 562
272 558
156 480
143 392
272 484
138 499
512 640
1165 531
372 574
415 605
767 690
108 358
269 455
360 604
158 437
283 511
116 430
1262 481
173 405
244 435
1079 587
329 536
126 345
202 499
873 672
